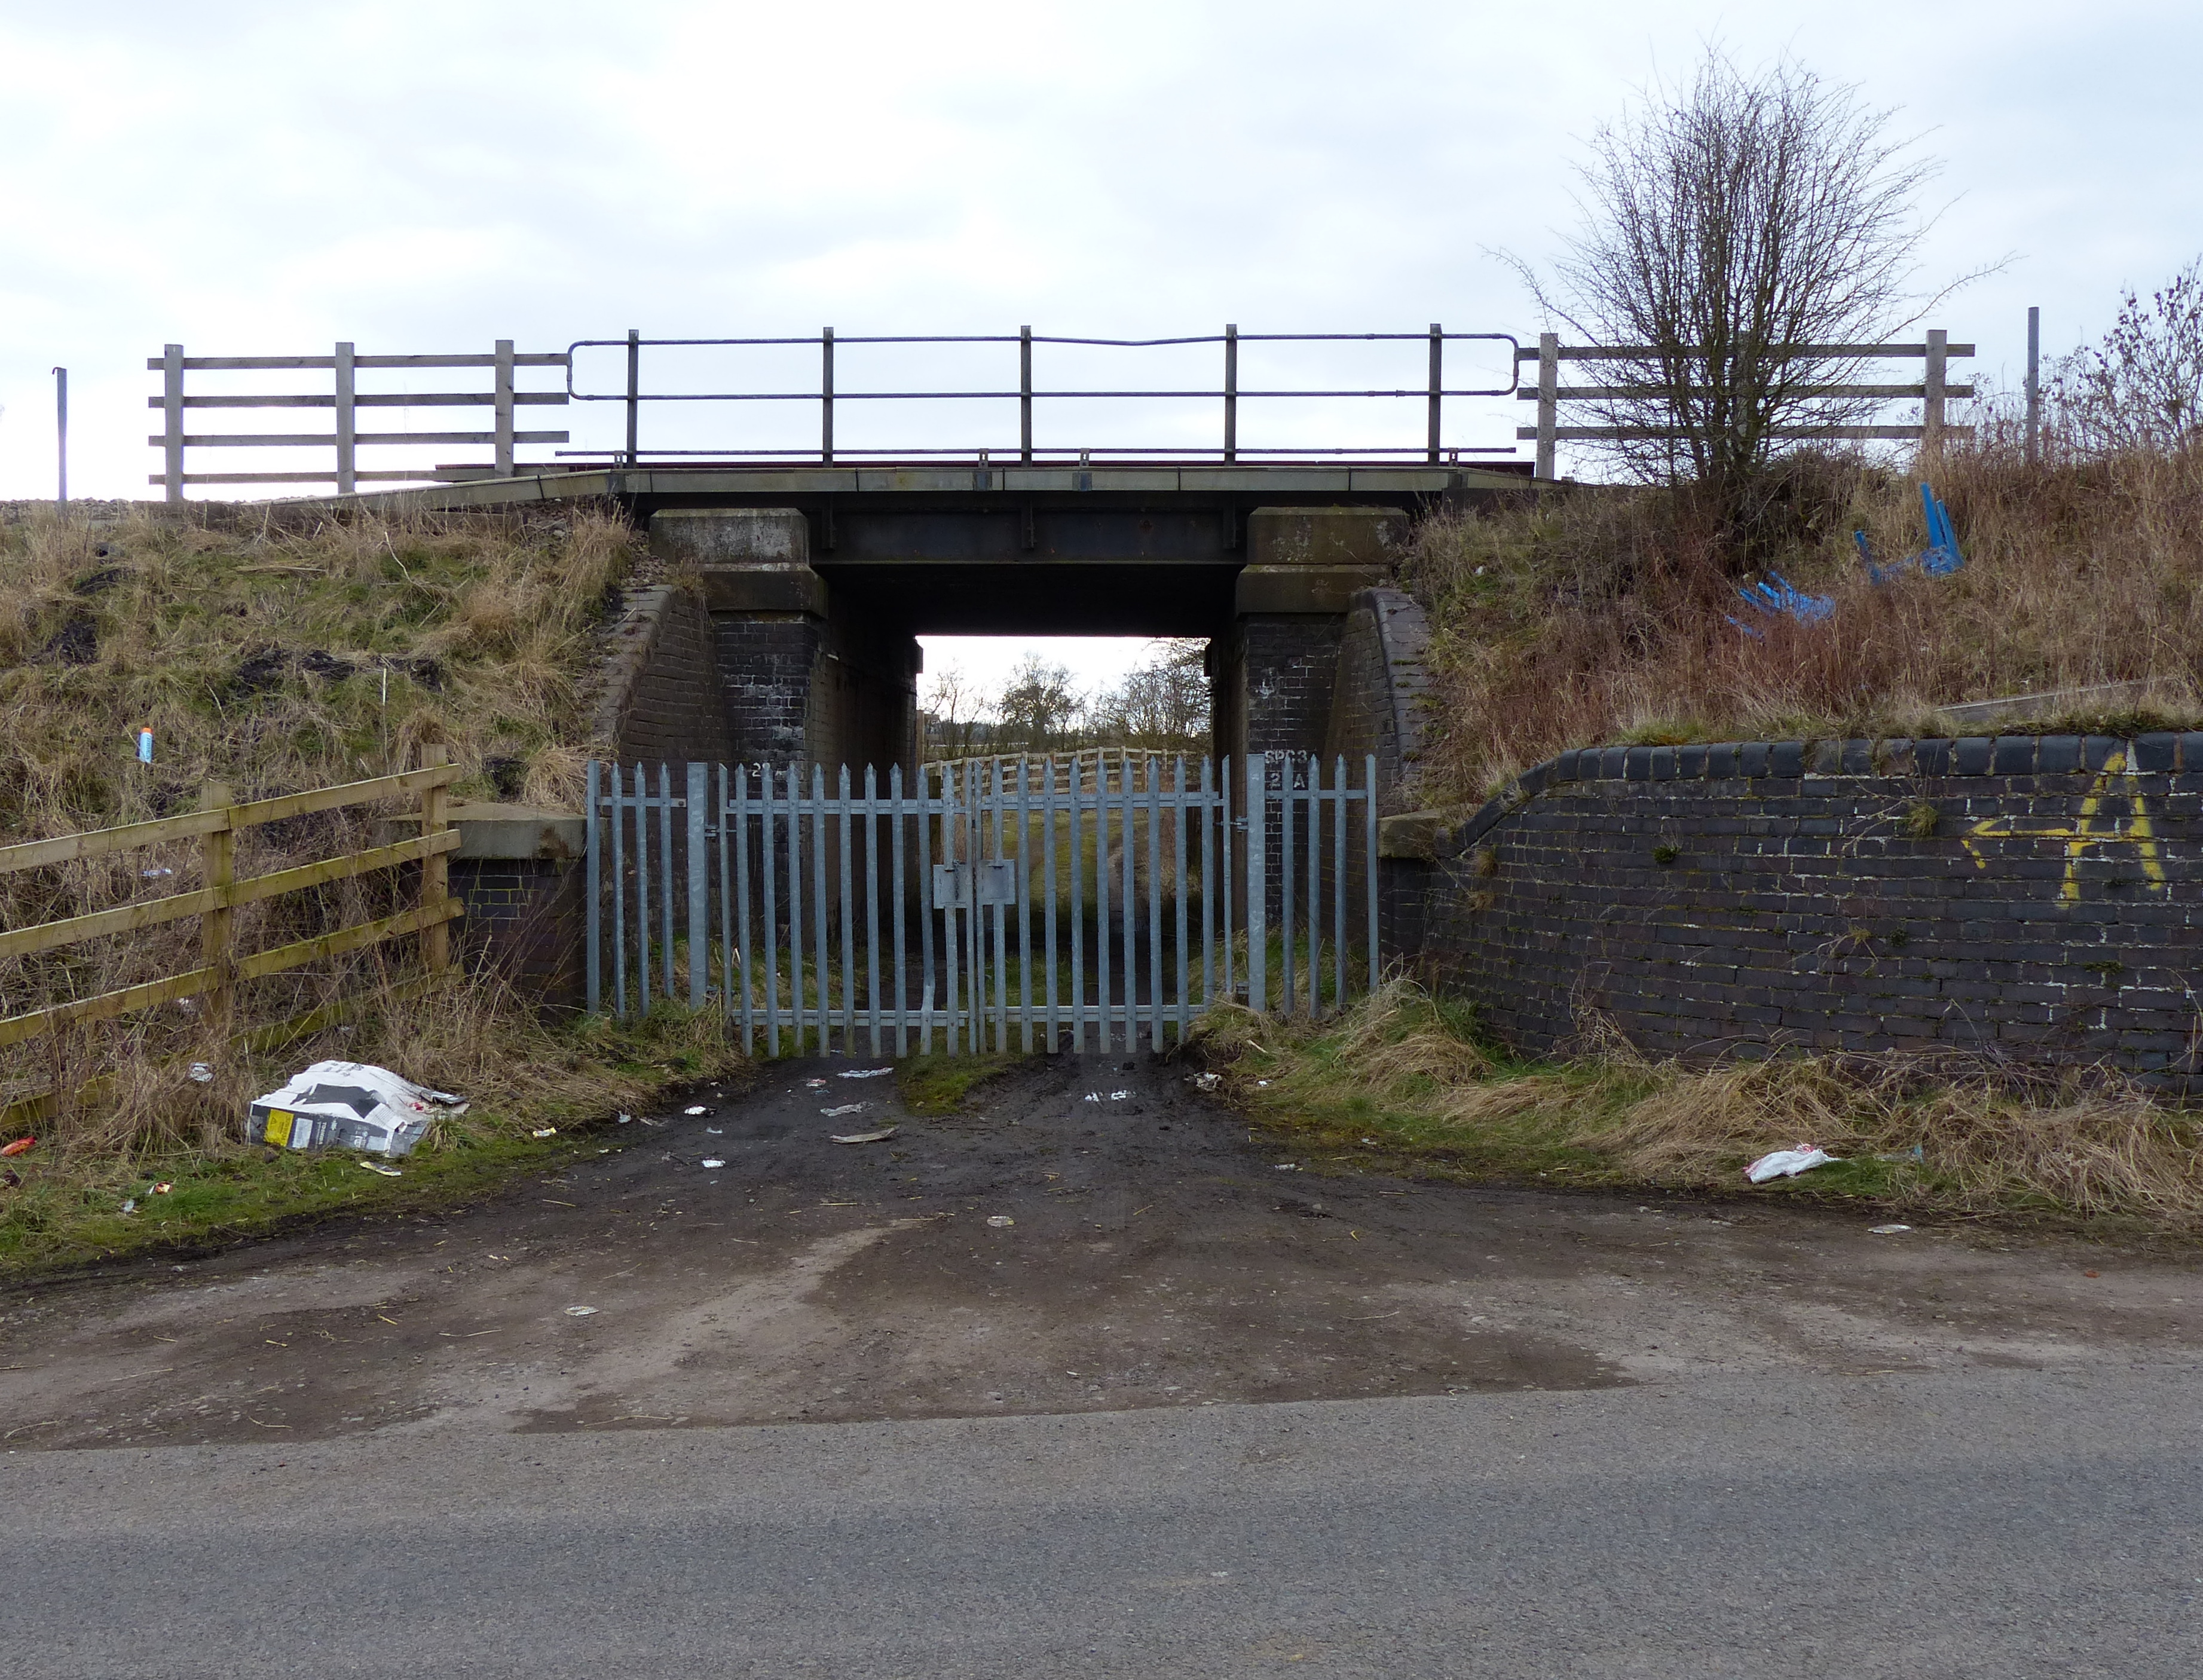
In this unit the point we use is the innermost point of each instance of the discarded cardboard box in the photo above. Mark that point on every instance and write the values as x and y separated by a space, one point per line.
349 1105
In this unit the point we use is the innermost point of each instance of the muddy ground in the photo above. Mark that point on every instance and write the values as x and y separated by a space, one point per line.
1094 1235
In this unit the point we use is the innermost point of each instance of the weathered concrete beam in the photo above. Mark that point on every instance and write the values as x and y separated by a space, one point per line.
1326 536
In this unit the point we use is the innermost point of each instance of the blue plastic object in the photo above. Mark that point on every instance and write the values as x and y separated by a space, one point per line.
1939 559
1777 594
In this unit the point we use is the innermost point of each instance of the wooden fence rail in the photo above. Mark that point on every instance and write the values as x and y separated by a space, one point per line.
1932 391
345 439
216 825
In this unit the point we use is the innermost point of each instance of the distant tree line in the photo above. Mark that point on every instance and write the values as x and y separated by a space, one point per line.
1162 706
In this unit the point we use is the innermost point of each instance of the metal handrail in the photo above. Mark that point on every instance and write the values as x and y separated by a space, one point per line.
1230 392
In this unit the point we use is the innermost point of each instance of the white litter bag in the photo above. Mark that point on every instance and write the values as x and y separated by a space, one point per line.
349 1105
1787 1163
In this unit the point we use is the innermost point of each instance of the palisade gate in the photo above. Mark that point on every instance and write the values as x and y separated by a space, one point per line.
1045 903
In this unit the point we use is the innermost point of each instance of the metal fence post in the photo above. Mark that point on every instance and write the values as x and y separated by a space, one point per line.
2033 385
504 408
347 436
1438 383
1931 409
1025 393
826 409
1549 401
60 438
699 892
1258 890
634 390
592 905
172 413
1230 391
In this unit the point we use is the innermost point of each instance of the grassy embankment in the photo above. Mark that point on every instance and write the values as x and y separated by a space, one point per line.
1403 1080
276 656
1604 618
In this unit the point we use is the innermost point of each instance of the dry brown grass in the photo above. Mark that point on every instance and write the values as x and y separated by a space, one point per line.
1406 1071
1601 617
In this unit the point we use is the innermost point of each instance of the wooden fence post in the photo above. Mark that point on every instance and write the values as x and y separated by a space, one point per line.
435 870
504 395
1931 409
1548 385
347 423
218 866
172 420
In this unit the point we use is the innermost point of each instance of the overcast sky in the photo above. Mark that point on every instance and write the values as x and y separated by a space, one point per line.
267 178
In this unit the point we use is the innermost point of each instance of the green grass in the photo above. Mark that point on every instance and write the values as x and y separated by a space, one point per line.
945 1084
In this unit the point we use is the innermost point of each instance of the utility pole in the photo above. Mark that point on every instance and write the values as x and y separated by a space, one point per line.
2034 384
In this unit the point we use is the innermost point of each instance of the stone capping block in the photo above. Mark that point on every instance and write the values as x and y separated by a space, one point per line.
715 536
1413 834
1328 591
503 833
764 588
2156 754
1326 536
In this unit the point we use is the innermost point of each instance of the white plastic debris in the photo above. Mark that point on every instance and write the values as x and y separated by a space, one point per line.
1885 1230
377 1167
1787 1163
1092 1096
715 1162
880 1136
349 1105
626 1120
1001 1221
1207 1081
545 1131
864 1072
130 1206
579 1312
201 1073
695 1108
846 1109
1119 1096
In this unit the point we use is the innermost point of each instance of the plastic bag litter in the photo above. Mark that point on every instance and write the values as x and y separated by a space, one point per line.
864 1072
1207 1081
846 1109
1885 1230
715 1162
349 1105
880 1136
579 1312
201 1073
1001 1221
377 1167
1789 1162
695 1108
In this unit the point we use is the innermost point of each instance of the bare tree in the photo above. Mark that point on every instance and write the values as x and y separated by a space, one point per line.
1038 709
1162 705
1740 229
2142 387
949 724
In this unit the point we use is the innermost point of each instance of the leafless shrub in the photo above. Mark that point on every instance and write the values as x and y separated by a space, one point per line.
2140 388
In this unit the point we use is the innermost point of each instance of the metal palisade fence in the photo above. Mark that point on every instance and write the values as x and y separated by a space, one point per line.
1015 903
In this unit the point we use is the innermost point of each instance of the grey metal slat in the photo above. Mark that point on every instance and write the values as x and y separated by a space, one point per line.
926 911
821 924
1369 815
871 820
665 865
1077 847
593 912
846 836
1208 886
1178 892
1231 853
1314 955
1104 934
952 929
795 904
1338 872
1129 908
699 892
741 896
770 909
1154 773
642 888
1288 987
895 831
1048 923
1022 908
1257 899
975 922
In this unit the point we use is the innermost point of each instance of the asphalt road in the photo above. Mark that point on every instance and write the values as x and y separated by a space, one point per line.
1978 1523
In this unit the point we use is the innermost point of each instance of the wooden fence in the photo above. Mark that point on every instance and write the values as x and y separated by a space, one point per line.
217 826
1932 391
346 440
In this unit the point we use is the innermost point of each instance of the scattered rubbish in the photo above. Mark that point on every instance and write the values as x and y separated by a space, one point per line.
162 1189
1001 1221
814 1084
626 1120
714 1131
19 1146
155 874
1119 1096
696 1108
846 1109
1885 1230
715 1162
2092 1274
201 1073
864 1072
1775 593
1207 1081
349 1105
144 746
885 1131
579 1312
131 1206
1369 1140
647 1121
1939 559
1788 1162
1262 1083
1092 1096
1287 1167
377 1167
545 1131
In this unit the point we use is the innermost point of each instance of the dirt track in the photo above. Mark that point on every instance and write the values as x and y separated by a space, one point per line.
1158 1256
